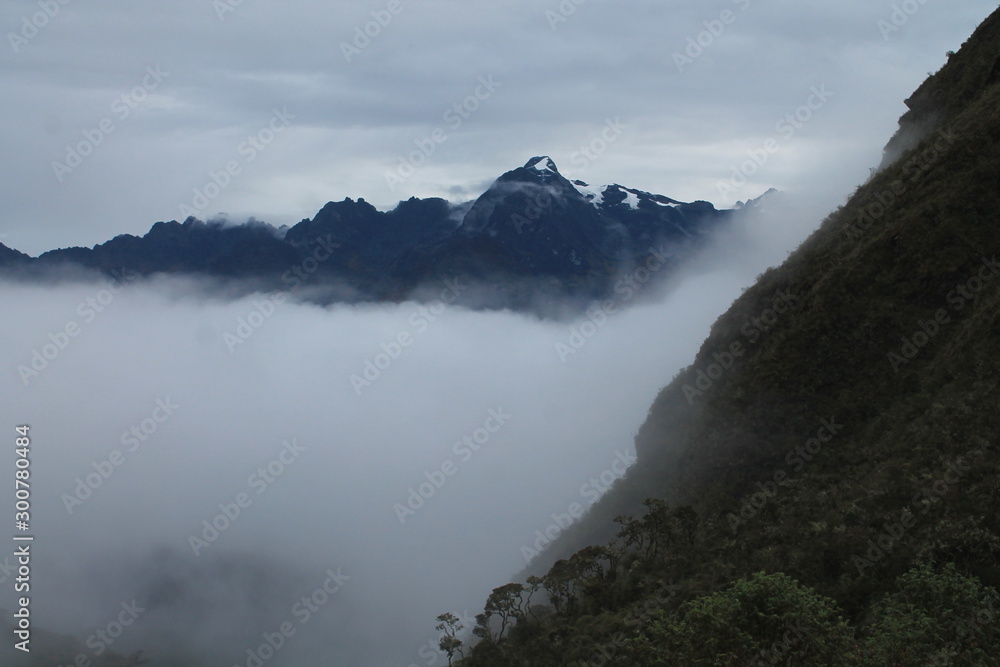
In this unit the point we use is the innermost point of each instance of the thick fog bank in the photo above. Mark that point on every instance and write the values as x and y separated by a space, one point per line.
211 477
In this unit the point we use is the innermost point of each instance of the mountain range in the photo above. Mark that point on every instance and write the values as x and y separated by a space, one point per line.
533 232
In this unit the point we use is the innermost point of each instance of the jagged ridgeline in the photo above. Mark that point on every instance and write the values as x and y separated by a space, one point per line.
820 487
532 236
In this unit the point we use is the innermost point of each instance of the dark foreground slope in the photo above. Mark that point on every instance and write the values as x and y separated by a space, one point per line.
837 431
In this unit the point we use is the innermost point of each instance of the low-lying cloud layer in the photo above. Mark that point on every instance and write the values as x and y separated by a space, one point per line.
340 476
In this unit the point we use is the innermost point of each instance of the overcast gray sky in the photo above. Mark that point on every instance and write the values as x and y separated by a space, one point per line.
557 73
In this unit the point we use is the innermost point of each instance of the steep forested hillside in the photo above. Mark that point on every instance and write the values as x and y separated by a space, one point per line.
825 472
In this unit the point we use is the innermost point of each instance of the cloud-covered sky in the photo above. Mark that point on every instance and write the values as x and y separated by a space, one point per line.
116 113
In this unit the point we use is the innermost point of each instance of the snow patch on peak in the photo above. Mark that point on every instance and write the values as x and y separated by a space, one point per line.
660 200
632 199
596 195
593 193
543 164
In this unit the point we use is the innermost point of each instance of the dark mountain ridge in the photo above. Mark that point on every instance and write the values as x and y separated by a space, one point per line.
532 232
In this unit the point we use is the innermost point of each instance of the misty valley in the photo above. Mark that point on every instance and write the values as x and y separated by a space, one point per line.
493 414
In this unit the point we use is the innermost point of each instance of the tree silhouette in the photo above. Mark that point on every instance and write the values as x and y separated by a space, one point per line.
450 625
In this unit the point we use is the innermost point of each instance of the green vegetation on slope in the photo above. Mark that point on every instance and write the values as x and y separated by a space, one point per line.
850 444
